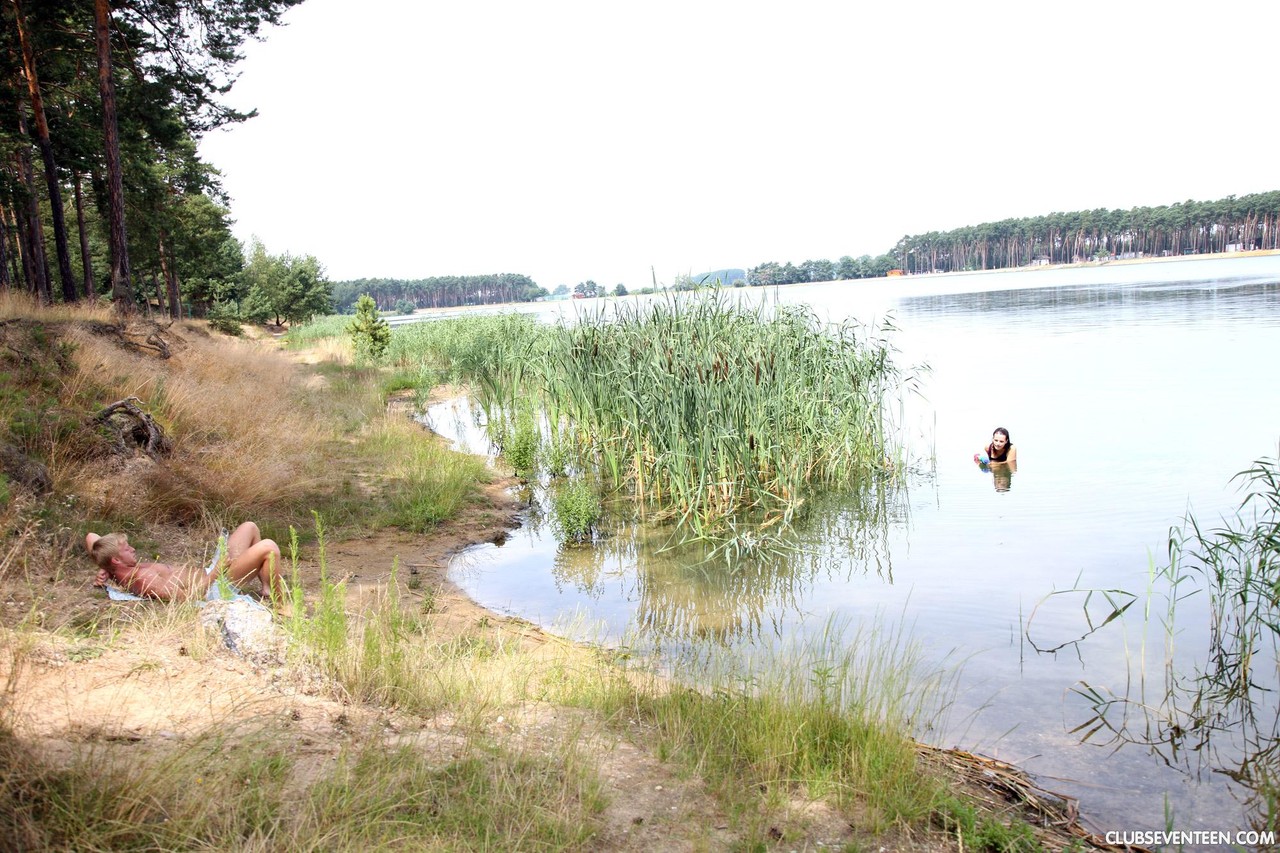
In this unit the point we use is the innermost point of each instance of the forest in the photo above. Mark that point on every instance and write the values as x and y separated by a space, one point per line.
1185 228
403 296
102 191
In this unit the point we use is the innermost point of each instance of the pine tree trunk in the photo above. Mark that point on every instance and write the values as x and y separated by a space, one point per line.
5 281
24 251
46 154
121 286
86 260
33 234
12 244
171 280
155 285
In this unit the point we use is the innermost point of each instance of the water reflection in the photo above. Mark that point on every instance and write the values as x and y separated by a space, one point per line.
690 593
1215 711
1161 303
1200 724
1001 474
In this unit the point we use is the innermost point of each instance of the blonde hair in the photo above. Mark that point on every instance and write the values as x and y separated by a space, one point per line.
108 547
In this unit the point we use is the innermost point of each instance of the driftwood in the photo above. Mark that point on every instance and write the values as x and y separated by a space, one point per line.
1040 806
150 338
135 427
154 340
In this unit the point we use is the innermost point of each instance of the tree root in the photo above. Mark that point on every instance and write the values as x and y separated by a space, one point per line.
135 427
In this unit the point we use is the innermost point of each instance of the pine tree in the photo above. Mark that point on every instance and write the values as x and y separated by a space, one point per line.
369 332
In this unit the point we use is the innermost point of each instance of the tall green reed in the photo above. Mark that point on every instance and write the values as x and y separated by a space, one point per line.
1218 708
708 412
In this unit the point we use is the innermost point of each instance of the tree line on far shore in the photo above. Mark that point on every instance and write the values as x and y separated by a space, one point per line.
1233 223
1242 223
449 291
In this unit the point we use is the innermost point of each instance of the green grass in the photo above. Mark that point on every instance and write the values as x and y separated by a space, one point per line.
490 798
428 482
240 791
975 830
713 415
307 334
828 720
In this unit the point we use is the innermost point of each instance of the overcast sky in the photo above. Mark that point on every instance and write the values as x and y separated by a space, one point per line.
593 140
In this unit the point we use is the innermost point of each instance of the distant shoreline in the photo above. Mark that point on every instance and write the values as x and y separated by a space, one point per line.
1208 256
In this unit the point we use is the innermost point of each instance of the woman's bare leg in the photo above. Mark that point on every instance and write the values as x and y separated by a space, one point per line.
242 539
250 556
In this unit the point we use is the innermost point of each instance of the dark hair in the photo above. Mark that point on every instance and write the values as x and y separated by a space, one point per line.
1005 432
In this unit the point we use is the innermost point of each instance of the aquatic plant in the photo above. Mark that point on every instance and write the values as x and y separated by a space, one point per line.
576 509
707 412
1220 711
493 352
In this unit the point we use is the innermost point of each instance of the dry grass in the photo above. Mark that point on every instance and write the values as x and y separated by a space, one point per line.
18 305
329 350
226 403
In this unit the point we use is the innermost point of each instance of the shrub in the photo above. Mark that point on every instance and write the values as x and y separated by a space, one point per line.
225 318
577 510
369 332
521 447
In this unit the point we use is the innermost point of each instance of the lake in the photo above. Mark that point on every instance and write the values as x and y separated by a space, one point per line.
1133 393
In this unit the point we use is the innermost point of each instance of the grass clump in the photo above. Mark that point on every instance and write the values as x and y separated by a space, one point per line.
241 791
495 799
427 482
709 413
974 829
829 721
577 509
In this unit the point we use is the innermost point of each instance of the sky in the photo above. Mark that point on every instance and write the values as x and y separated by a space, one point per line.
574 141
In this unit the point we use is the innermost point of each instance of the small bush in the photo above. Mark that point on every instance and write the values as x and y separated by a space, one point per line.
557 454
577 510
369 333
521 447
225 318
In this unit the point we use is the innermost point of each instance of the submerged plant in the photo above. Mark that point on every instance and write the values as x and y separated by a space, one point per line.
577 510
1222 709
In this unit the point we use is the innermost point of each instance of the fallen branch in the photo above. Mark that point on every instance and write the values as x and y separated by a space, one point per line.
135 427
1048 808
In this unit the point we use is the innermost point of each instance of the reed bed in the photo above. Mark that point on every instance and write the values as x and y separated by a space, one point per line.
707 410
493 352
718 417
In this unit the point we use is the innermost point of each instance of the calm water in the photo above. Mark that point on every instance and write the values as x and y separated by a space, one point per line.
1133 394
